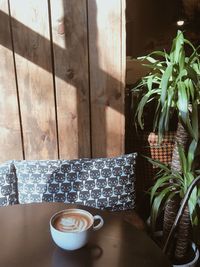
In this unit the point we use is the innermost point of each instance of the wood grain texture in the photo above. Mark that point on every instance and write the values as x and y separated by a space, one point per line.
10 135
85 110
69 31
107 67
30 23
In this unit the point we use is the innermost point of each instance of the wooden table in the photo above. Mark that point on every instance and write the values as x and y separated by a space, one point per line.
25 241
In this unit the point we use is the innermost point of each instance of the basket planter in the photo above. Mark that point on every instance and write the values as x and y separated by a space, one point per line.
146 143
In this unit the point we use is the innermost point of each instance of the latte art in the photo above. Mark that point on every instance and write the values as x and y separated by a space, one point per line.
72 222
71 229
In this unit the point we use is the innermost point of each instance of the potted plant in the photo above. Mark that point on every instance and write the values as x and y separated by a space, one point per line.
164 190
184 202
173 84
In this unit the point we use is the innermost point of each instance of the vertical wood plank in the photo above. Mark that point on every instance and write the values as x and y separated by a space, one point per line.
107 72
30 24
123 62
69 31
10 135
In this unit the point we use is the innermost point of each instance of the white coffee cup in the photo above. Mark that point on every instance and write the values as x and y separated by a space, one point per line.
72 228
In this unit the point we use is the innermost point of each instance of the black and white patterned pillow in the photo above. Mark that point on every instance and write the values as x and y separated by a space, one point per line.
8 185
106 183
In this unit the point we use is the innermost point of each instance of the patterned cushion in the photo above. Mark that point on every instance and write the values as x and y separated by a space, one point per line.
8 185
106 183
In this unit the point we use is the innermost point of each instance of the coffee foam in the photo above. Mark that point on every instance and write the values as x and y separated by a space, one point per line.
72 222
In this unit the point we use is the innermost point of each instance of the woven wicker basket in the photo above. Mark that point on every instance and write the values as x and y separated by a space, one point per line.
146 143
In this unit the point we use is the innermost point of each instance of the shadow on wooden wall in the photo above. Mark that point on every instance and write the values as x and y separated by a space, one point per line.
62 79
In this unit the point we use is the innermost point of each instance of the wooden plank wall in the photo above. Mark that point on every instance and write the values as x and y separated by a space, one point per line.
32 50
61 78
10 131
69 28
106 36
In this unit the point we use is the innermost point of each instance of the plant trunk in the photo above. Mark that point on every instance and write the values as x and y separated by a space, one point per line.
182 138
170 212
172 205
183 235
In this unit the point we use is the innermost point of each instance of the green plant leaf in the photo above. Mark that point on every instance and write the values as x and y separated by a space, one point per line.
192 74
182 158
161 124
191 153
195 121
177 176
157 205
165 82
191 89
158 164
168 107
181 59
141 105
182 101
160 183
191 45
156 116
159 53
179 41
150 82
193 200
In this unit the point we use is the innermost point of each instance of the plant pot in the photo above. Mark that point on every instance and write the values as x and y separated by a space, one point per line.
191 263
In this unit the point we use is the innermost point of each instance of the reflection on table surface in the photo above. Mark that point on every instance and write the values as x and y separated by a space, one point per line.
26 241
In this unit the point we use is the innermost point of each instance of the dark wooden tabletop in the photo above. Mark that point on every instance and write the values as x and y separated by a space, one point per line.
25 241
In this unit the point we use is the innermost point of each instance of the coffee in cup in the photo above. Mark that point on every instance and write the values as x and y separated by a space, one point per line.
71 228
72 222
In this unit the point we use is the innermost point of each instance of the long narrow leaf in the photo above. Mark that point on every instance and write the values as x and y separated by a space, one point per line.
164 83
182 101
157 204
182 158
191 153
195 121
179 44
160 183
193 200
158 164
160 202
